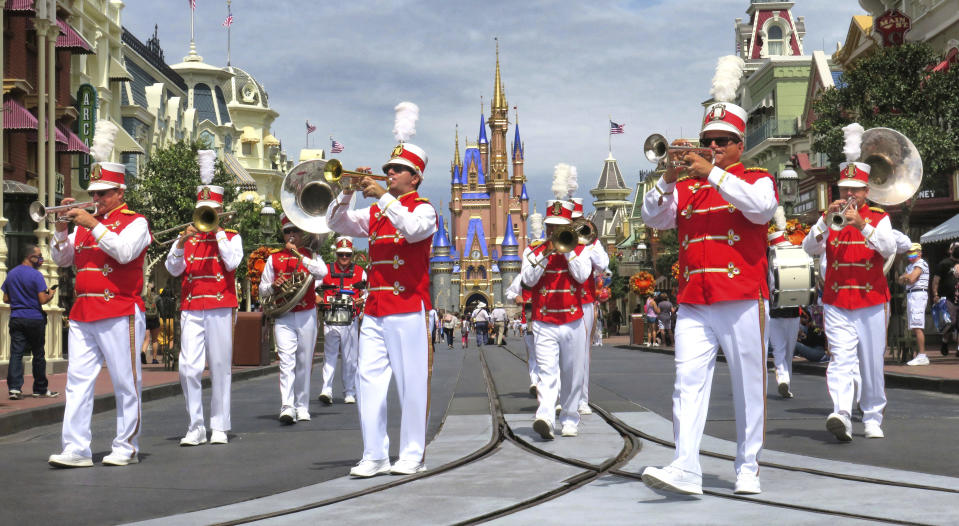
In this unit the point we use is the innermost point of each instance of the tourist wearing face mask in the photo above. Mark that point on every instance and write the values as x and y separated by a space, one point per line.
916 281
945 284
25 291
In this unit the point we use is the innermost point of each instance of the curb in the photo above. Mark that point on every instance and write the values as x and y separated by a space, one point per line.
897 380
17 421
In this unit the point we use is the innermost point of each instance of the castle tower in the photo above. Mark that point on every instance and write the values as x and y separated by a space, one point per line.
519 200
482 143
509 262
441 271
611 205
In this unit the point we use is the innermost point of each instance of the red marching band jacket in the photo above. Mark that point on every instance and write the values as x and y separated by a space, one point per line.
557 296
399 270
854 277
206 284
527 303
285 265
342 279
105 288
722 255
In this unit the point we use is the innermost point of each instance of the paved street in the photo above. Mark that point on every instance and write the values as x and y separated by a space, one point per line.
267 459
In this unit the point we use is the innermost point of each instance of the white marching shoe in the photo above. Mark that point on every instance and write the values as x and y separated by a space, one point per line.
194 437
219 437
747 484
839 425
673 479
544 428
370 468
349 399
569 430
922 359
120 459
303 414
70 460
407 467
874 431
287 415
584 408
326 398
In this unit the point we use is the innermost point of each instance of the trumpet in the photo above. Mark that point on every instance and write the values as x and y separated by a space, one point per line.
205 219
38 212
837 220
333 172
565 238
657 151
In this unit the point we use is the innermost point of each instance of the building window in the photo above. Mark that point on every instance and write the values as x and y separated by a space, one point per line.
775 44
247 149
203 102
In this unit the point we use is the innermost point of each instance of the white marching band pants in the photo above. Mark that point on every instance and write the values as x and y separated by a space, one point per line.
340 341
737 327
531 357
116 343
560 353
394 345
295 334
783 335
856 335
206 336
589 318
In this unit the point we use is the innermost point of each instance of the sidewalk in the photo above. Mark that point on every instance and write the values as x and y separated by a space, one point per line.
17 415
942 374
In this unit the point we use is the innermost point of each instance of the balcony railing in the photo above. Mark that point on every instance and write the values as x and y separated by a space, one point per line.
757 133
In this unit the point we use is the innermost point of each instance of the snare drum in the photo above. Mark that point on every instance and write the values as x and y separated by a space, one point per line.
340 311
794 277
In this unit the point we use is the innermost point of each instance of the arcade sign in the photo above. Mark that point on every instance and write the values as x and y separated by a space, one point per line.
87 110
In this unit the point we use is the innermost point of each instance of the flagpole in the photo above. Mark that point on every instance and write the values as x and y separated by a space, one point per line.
229 28
192 33
609 136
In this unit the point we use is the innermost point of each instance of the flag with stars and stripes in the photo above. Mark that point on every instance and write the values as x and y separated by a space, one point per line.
615 129
193 5
310 128
228 22
336 146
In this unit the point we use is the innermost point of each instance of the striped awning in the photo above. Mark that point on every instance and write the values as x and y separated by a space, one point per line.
60 137
117 71
17 118
125 143
22 7
944 232
74 144
241 178
71 40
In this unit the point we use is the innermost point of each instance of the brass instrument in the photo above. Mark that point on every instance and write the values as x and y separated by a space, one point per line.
290 292
205 219
586 230
333 172
39 213
895 171
306 194
657 150
565 238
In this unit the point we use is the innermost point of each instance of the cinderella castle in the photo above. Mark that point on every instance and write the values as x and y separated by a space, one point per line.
477 249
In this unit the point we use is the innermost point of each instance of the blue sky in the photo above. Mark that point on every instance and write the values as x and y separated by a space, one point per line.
567 66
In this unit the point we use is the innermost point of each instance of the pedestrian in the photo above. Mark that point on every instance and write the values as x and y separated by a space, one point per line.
394 337
651 308
480 320
945 284
434 325
207 262
499 318
665 318
916 281
465 331
106 322
449 323
812 340
152 315
783 321
342 341
855 297
724 295
295 329
26 291
614 321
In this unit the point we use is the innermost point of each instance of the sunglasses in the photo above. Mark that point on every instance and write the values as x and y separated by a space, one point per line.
287 231
340 255
38 258
722 142
98 193
398 168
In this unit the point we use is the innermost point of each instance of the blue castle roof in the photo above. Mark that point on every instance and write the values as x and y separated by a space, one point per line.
517 144
509 240
457 170
475 232
440 240
523 195
482 132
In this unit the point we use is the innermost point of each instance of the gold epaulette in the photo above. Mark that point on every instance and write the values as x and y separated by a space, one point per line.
275 250
683 178
422 199
877 209
230 230
536 242
128 212
756 169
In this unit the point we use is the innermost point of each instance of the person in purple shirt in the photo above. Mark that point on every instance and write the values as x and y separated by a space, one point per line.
25 291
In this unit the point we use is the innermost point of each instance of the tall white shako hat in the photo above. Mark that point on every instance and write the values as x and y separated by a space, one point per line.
577 207
558 212
285 222
723 115
105 175
853 173
404 128
344 244
207 194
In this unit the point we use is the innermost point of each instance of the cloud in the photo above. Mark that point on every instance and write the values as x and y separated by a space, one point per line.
567 66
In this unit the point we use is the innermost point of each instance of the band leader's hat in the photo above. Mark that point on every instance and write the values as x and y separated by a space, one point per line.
408 155
854 174
577 207
558 212
209 195
107 176
725 116
344 244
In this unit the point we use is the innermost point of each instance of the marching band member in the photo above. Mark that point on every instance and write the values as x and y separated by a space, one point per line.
559 330
393 334
343 275
784 321
523 296
916 281
854 296
600 261
107 324
720 211
207 261
294 330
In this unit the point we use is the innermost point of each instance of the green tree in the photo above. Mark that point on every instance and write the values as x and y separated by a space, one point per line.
894 88
669 255
619 288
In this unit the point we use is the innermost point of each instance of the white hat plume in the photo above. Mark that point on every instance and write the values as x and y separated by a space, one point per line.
206 160
103 138
779 218
404 127
853 146
729 72
572 182
535 225
561 181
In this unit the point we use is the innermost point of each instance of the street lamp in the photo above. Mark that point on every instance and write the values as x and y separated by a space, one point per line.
267 221
789 186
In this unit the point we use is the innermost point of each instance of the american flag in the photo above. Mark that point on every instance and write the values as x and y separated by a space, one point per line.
616 128
228 22
336 147
310 128
193 5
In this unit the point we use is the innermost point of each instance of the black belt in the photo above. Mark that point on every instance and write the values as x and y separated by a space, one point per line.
916 290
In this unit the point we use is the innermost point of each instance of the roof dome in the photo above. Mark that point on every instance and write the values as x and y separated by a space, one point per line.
242 88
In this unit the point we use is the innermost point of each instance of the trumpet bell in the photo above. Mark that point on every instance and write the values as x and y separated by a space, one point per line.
37 211
895 167
205 218
655 147
306 194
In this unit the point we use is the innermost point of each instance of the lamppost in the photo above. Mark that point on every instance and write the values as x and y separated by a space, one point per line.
788 188
267 221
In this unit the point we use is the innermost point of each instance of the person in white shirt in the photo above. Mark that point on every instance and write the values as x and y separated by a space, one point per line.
916 281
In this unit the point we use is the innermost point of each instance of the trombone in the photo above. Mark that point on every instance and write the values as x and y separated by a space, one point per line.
39 213
205 219
657 150
333 171
565 238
